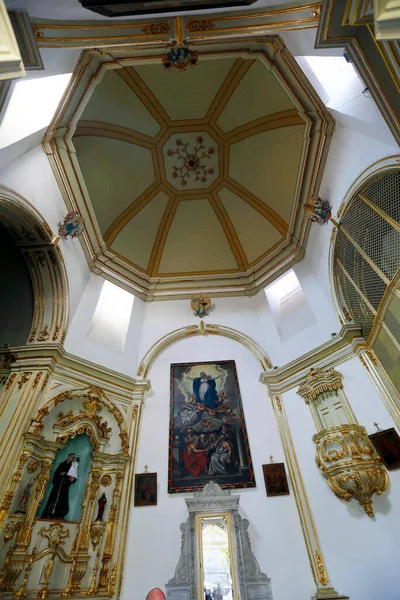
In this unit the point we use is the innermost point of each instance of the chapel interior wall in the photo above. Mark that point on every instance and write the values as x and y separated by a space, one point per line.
351 541
275 530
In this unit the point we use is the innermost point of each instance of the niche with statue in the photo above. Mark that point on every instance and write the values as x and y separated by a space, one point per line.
61 529
66 488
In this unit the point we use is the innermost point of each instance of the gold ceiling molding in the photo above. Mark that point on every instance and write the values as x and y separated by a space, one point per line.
98 34
244 276
230 232
207 329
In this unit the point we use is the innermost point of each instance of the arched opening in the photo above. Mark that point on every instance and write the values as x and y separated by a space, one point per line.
16 293
37 281
366 261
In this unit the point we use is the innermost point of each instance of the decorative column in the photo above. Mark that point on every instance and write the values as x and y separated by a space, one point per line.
345 455
242 452
324 587
107 577
10 493
80 546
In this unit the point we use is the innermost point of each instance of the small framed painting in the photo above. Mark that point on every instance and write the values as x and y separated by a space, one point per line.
276 483
146 489
387 445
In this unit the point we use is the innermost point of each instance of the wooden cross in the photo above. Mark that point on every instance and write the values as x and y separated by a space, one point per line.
377 426
271 458
145 468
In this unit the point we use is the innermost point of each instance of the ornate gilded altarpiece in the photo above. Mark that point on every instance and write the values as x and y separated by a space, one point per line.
64 558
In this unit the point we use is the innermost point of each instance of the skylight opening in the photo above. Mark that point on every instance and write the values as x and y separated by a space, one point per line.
284 288
290 309
31 107
111 318
338 78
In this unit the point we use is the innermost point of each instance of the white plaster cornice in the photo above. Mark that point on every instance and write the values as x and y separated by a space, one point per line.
54 358
348 343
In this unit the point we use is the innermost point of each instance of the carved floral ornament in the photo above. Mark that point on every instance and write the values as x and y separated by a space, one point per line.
91 407
319 381
96 399
191 161
350 464
179 57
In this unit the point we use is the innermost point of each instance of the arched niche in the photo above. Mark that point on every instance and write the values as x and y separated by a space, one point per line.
80 445
202 329
34 238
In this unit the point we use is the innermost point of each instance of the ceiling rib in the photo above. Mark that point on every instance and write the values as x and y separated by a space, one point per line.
232 80
278 120
163 229
140 89
265 210
230 232
131 211
116 132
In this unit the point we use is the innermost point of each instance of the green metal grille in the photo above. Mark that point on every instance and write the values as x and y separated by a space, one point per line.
375 236
385 193
359 310
367 249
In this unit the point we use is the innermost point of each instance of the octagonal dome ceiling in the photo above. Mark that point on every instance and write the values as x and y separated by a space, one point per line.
195 180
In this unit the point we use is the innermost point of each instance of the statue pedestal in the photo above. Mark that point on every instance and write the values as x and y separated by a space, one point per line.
328 594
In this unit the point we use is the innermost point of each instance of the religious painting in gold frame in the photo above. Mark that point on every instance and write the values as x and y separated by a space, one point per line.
207 431
145 489
276 483
387 444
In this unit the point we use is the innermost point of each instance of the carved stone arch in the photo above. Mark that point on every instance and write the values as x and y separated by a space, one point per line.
93 394
45 263
209 329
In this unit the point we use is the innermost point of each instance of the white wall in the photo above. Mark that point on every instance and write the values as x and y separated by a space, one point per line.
31 176
79 344
350 154
154 535
362 554
151 321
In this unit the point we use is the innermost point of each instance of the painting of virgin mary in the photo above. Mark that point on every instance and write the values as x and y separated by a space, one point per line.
208 437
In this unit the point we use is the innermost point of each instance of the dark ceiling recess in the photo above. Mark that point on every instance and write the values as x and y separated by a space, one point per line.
124 8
